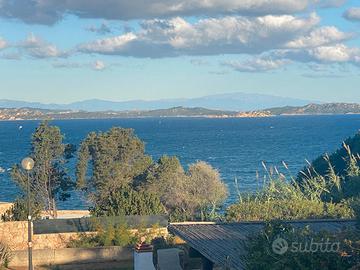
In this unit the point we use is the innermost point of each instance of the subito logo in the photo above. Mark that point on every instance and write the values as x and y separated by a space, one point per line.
280 246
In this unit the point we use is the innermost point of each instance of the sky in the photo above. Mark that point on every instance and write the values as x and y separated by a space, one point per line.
72 50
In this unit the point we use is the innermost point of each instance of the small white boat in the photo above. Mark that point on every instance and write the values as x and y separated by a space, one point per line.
2 170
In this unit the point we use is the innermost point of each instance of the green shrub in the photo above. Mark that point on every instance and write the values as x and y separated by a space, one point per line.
122 236
252 209
340 171
19 211
5 255
119 235
127 201
260 251
84 241
288 201
107 236
355 205
339 159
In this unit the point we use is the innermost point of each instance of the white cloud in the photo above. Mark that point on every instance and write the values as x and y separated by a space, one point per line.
228 35
333 54
51 11
323 60
352 14
99 65
38 48
319 37
3 43
339 53
256 65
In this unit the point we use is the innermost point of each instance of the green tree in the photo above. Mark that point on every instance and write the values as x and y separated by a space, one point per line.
49 180
206 189
126 201
116 158
164 179
195 194
167 180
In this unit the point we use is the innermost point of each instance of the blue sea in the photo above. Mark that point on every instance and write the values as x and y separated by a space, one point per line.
236 147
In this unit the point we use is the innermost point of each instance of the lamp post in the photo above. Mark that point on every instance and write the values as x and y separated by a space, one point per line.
28 164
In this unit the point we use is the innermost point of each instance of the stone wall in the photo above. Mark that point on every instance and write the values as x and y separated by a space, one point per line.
72 255
53 241
4 206
15 234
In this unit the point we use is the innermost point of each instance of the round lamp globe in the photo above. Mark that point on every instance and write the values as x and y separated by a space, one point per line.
27 164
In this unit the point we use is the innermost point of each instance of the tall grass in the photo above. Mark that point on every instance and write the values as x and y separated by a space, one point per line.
285 197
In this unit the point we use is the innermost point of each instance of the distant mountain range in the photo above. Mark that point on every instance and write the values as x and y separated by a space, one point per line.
229 102
311 109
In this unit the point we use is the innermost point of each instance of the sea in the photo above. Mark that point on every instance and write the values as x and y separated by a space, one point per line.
235 146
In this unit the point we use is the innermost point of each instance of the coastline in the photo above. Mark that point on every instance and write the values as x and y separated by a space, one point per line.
179 116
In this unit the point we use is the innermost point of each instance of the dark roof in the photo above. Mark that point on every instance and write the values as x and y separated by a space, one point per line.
221 243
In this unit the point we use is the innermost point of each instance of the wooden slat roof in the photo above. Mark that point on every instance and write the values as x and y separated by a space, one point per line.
221 243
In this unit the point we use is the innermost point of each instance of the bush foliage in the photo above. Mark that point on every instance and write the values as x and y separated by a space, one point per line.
119 235
126 201
5 255
253 209
341 170
316 195
19 211
287 201
341 253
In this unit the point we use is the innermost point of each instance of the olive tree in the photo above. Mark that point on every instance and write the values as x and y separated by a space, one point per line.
206 189
165 178
186 195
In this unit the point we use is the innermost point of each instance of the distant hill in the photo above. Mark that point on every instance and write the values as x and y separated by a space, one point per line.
311 109
42 114
314 109
229 102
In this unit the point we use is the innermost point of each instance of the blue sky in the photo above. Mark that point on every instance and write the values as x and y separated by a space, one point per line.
64 51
